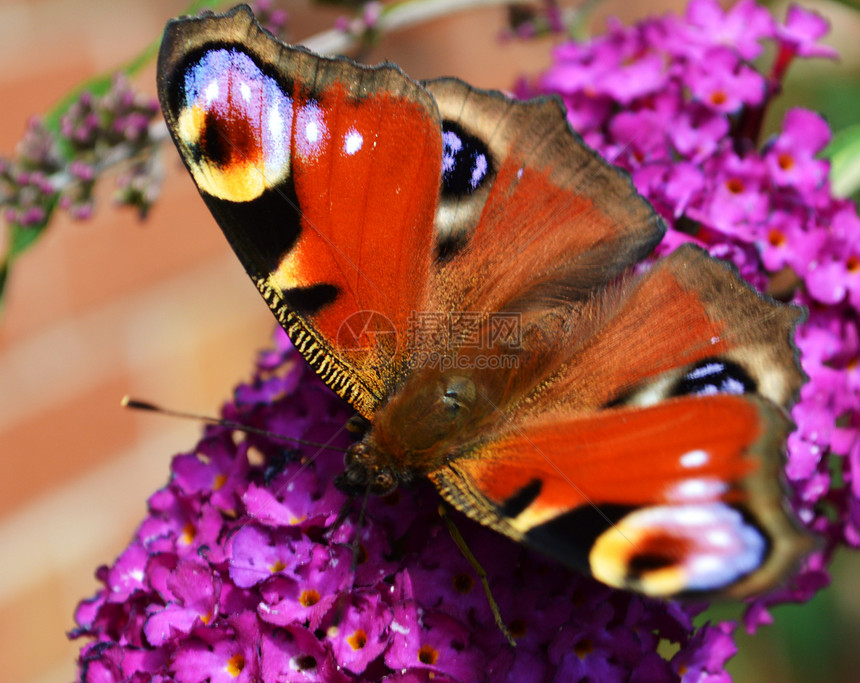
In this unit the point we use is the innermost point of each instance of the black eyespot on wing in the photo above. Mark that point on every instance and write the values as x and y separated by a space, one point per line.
466 161
649 561
715 376
569 537
518 502
310 300
224 150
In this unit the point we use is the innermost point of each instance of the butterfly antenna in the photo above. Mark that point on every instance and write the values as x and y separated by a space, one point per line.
479 570
135 404
341 517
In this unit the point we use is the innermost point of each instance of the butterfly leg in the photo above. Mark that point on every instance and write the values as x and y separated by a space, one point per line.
345 509
479 570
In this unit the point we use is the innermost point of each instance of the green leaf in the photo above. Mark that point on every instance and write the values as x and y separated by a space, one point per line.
21 238
844 154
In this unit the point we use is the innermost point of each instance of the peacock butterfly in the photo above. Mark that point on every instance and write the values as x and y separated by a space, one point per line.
457 266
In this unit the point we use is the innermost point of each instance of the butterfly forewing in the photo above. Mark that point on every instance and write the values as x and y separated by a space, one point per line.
324 177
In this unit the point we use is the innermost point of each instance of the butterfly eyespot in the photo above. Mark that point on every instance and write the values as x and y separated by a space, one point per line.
715 376
466 161
226 95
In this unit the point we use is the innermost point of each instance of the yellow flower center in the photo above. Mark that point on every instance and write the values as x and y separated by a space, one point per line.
309 598
785 161
235 665
428 655
357 640
583 647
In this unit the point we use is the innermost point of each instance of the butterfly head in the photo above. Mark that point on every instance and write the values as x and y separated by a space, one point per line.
365 473
417 425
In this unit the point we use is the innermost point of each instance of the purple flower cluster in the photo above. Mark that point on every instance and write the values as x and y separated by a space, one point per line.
26 191
677 103
234 576
103 129
95 133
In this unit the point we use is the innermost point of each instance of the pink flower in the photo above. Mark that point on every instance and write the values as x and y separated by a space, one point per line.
801 32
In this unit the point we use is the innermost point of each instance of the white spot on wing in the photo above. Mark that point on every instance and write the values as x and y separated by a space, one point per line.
719 538
276 123
479 170
245 91
706 565
311 132
706 370
211 92
353 141
697 489
695 458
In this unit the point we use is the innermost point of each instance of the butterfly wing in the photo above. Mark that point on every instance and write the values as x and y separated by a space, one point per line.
690 315
352 203
528 214
323 175
681 497
650 450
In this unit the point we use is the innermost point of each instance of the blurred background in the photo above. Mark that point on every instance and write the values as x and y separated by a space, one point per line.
162 310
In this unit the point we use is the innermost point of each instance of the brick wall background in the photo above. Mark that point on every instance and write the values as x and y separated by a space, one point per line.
161 310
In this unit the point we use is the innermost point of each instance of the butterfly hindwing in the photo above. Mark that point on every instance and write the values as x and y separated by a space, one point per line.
630 414
688 310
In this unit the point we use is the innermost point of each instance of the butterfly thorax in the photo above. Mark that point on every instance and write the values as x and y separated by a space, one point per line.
418 429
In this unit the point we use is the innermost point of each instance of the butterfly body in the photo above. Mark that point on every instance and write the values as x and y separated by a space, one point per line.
458 266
